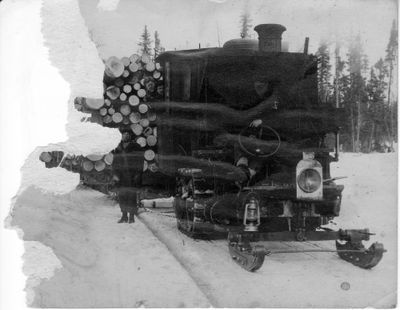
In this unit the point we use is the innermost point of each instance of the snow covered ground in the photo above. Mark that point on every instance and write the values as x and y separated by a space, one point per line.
104 264
151 264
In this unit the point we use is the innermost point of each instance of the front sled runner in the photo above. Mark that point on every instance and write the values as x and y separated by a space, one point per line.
245 251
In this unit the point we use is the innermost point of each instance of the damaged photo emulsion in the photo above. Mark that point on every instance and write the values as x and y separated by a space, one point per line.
218 154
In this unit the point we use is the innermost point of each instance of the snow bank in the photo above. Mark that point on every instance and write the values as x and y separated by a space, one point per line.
104 264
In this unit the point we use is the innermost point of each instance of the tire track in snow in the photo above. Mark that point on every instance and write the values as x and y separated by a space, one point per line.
203 286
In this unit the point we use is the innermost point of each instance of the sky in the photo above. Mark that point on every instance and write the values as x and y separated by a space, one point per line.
184 24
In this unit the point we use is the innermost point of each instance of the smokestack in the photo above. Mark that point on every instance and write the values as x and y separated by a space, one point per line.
269 37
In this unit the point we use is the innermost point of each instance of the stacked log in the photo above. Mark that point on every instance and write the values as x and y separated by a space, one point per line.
94 169
130 83
89 105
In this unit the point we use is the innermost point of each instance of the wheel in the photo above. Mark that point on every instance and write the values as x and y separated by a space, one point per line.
243 140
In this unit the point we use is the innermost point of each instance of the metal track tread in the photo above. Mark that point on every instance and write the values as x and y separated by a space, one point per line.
358 255
251 258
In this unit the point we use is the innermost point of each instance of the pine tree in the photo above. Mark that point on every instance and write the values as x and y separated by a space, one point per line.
338 79
376 89
145 42
158 49
324 73
245 24
364 66
356 95
391 61
341 85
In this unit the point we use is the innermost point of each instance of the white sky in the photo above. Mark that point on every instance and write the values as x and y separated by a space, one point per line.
184 24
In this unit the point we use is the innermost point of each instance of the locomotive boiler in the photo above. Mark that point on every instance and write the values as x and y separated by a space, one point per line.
238 136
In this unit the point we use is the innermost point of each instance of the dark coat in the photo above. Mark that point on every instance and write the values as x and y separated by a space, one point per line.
128 199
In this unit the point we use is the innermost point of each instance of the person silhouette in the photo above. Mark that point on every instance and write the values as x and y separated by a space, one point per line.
128 202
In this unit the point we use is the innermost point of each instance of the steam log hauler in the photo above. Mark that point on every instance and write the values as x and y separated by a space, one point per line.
239 137
248 117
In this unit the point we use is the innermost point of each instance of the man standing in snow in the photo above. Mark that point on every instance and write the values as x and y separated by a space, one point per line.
126 183
128 202
128 196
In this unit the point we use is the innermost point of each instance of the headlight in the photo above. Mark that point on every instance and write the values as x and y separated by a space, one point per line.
309 180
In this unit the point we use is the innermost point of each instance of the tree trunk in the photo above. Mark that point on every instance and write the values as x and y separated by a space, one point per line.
389 136
352 129
390 107
393 122
358 128
371 137
337 73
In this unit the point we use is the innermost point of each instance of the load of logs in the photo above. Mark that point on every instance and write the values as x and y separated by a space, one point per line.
95 169
133 101
89 163
130 84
